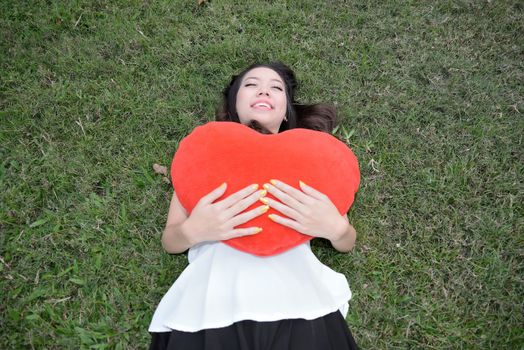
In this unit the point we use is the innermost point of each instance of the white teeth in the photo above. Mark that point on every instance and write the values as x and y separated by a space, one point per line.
262 105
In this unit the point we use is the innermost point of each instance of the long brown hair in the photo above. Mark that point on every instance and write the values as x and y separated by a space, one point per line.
320 116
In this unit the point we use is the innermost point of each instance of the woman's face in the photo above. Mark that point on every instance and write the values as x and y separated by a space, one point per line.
262 97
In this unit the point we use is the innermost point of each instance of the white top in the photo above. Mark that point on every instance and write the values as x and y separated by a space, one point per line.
222 285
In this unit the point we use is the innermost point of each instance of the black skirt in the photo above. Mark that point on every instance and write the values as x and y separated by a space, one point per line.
329 332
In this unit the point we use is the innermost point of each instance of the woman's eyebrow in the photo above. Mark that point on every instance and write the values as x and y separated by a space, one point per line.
279 81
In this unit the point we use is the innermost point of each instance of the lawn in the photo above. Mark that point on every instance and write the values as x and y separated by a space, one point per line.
430 97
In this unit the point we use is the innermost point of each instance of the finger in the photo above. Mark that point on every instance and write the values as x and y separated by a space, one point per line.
245 217
288 223
290 190
235 197
284 198
244 203
312 192
240 232
213 195
284 209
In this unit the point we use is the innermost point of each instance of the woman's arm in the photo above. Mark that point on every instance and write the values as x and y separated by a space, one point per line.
174 238
345 241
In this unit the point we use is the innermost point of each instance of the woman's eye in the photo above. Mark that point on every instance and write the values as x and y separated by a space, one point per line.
278 88
249 84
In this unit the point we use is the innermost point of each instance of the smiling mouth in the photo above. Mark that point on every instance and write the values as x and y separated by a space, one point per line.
262 106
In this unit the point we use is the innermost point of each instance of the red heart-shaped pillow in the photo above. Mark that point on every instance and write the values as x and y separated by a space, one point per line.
230 152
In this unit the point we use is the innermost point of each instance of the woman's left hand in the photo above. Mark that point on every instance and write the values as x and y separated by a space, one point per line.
308 211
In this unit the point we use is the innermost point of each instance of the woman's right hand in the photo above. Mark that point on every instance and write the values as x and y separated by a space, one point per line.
216 221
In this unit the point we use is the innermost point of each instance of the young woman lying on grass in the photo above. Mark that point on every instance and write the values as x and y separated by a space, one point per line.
292 301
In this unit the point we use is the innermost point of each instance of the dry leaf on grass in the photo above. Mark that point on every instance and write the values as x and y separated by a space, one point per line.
162 170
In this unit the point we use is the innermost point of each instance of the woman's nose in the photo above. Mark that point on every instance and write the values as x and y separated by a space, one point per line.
263 90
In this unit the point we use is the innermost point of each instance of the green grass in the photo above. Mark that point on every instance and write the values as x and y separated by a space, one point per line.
94 92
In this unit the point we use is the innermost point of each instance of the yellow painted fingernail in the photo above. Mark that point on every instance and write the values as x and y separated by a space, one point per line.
302 183
258 229
263 193
255 186
264 200
223 185
265 208
271 216
266 186
273 181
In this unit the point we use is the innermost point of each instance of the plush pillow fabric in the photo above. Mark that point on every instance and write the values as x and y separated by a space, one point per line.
230 152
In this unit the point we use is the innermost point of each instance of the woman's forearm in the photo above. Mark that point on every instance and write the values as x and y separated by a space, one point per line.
175 238
345 242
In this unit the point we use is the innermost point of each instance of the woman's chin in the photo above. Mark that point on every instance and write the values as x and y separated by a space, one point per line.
263 118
